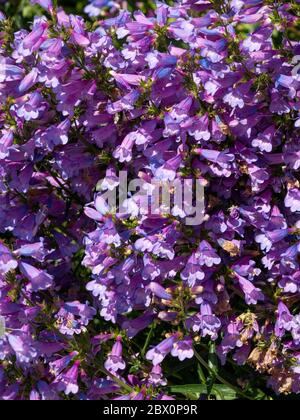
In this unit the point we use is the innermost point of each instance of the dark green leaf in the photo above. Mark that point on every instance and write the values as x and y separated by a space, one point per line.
221 392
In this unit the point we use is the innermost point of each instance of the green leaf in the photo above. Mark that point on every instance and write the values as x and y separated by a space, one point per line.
190 388
277 38
201 374
210 383
224 392
213 361
221 392
29 11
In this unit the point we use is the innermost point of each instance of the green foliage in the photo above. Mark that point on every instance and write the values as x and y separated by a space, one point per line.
195 391
21 12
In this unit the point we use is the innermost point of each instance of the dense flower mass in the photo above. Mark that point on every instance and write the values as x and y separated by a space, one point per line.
99 304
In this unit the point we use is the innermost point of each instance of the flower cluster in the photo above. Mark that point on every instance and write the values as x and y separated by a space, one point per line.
95 304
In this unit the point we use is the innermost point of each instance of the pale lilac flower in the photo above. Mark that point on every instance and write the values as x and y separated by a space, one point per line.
115 361
158 353
183 349
39 279
68 382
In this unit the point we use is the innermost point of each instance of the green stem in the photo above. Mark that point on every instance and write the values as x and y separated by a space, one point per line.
147 342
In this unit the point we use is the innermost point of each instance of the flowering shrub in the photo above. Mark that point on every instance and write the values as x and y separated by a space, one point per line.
95 304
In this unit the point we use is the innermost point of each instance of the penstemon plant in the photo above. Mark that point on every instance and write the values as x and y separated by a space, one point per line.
107 289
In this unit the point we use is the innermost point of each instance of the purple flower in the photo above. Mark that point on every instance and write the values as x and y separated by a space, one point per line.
285 321
74 317
252 293
22 345
205 322
296 330
39 279
223 159
176 118
124 152
7 262
183 349
292 157
57 366
94 8
193 271
156 377
133 327
46 4
10 72
36 251
159 291
115 361
53 136
29 80
200 129
6 142
158 353
29 107
167 172
67 382
206 255
292 200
